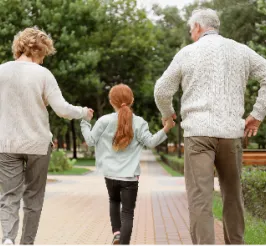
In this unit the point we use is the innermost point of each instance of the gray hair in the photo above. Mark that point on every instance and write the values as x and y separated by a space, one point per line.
206 18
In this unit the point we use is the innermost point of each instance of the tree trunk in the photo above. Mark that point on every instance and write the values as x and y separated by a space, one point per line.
245 143
60 141
100 105
68 143
166 146
74 139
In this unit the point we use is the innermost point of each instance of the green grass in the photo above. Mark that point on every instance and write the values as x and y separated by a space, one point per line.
255 227
85 162
217 206
73 171
168 168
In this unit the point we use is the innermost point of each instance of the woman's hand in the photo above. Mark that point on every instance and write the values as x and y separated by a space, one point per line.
90 114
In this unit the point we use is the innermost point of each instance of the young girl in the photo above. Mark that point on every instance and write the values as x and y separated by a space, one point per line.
119 138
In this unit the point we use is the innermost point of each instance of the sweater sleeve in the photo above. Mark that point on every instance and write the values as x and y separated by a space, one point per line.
167 86
258 72
92 136
53 96
146 138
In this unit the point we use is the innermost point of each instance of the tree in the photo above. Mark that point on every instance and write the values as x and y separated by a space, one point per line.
71 24
258 44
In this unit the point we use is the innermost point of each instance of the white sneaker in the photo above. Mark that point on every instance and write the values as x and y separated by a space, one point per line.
8 242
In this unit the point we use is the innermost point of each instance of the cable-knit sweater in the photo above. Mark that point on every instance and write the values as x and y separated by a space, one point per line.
26 89
213 73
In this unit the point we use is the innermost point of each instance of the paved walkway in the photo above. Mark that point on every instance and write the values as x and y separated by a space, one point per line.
76 210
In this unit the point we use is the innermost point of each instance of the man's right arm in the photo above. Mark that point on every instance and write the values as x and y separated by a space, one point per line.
167 86
258 72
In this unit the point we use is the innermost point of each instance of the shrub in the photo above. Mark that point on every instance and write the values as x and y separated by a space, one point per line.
254 191
60 162
174 162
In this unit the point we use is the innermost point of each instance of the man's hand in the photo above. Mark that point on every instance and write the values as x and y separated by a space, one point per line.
174 116
165 119
251 126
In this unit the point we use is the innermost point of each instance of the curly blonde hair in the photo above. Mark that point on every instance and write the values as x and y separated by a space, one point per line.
33 43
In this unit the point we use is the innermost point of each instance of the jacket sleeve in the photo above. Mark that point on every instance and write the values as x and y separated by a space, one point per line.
93 135
146 138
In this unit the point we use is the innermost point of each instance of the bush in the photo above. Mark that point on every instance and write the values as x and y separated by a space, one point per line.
173 161
60 162
254 191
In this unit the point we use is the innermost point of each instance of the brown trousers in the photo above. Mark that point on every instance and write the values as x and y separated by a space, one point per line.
201 154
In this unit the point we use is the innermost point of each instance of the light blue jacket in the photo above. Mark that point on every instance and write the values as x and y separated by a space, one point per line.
122 163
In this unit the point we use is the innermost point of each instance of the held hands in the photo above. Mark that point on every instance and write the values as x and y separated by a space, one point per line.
89 114
169 123
251 126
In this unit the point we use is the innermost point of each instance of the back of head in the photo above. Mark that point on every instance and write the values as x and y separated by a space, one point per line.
33 43
121 97
206 18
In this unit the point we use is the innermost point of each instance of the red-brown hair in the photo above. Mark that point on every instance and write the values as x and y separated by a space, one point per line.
121 97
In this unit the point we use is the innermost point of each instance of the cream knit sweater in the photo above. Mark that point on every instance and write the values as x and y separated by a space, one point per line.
25 90
213 73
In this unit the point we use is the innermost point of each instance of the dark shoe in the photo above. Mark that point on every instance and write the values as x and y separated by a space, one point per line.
116 239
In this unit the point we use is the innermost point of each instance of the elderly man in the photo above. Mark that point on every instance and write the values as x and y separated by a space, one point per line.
213 72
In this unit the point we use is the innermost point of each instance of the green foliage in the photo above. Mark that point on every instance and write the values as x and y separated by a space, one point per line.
170 170
173 161
85 162
255 228
238 17
217 206
252 145
73 171
257 43
60 162
254 191
259 40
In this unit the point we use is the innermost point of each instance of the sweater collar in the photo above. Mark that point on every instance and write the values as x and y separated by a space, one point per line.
209 32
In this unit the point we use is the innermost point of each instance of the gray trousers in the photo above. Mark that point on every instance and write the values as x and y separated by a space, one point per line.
22 176
201 154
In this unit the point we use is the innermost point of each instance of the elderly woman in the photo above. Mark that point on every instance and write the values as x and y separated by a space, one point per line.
26 88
